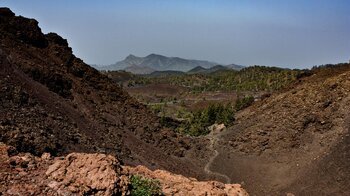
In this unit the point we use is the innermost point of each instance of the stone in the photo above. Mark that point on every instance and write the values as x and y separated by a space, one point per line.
81 173
216 128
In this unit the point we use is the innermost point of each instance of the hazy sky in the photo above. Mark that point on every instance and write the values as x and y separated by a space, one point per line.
287 33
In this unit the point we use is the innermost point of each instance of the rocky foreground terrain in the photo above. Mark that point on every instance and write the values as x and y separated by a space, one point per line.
90 174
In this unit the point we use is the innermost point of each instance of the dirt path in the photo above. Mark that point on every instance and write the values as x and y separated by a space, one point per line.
213 139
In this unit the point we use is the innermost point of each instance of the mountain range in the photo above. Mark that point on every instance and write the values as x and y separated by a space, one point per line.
215 68
156 62
196 70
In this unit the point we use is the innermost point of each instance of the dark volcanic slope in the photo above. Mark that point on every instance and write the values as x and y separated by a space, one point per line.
296 141
52 101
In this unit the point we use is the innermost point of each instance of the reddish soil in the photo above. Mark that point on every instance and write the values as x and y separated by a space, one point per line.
178 97
156 93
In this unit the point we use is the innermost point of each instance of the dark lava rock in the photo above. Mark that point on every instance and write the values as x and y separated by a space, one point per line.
51 101
4 11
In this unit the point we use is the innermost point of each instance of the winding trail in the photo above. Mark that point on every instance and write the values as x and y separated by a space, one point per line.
213 139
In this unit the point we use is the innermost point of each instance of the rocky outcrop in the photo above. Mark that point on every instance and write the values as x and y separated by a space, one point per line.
76 174
6 12
82 174
23 173
173 184
90 174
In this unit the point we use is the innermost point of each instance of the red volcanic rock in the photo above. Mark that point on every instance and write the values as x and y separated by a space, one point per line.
91 174
81 173
173 184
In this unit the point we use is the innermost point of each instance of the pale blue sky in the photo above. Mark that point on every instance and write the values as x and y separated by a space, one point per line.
287 33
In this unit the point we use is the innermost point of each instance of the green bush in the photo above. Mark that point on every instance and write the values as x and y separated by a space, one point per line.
141 186
244 102
157 108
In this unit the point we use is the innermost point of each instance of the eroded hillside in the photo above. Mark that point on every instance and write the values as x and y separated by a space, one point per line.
53 102
294 141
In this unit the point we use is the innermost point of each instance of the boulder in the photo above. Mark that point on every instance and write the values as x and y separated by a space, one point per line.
87 174
216 128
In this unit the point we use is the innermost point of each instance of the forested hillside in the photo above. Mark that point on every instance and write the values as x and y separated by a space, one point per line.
255 78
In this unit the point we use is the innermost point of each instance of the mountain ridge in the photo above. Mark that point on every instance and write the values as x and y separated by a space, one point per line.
158 63
155 62
216 68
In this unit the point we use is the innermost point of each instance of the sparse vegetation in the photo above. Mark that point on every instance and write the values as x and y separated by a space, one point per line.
141 186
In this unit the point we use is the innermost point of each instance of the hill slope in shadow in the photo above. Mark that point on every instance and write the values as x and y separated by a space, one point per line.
51 101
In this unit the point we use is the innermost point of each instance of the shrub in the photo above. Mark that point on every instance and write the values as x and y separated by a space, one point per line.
244 102
141 186
157 108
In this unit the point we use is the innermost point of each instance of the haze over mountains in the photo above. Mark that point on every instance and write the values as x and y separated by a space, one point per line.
156 62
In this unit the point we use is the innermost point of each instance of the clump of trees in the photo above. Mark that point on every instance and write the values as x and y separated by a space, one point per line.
198 122
244 102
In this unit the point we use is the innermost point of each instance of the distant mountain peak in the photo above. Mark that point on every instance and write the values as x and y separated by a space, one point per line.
219 66
131 56
154 55
235 67
197 69
159 62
